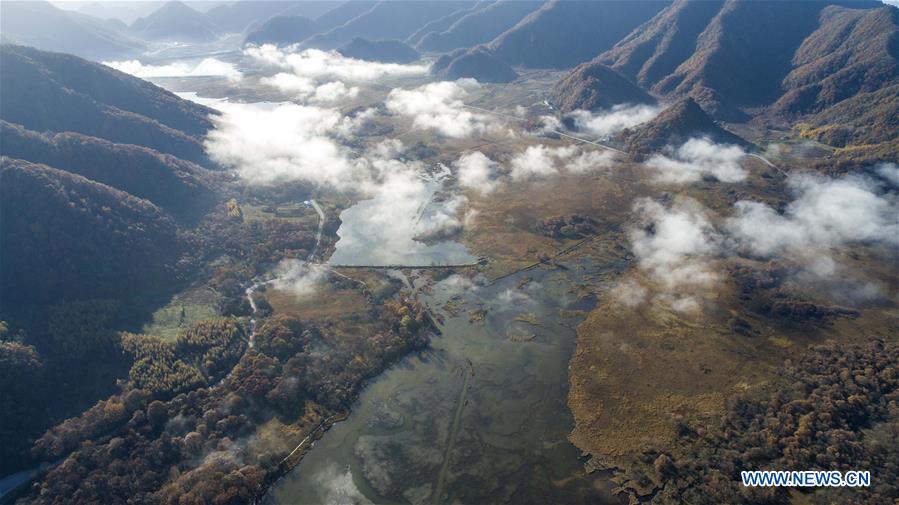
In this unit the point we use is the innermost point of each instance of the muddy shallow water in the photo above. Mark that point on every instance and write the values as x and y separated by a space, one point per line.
479 417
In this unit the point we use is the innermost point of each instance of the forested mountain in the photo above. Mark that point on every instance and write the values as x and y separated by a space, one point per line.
240 15
441 24
65 236
180 187
343 13
831 65
674 126
282 30
385 51
561 34
657 48
60 92
478 25
393 20
593 86
175 21
40 24
478 63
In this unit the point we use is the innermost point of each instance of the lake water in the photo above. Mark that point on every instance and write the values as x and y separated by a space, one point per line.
480 417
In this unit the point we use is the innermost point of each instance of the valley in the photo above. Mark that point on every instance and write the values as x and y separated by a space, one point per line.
462 257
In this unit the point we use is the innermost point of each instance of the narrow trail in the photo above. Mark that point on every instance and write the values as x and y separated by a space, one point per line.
765 160
451 436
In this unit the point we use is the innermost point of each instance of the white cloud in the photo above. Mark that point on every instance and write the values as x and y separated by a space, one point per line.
606 122
476 171
889 172
675 244
591 160
541 161
206 68
826 213
271 143
319 65
306 89
697 158
299 278
438 106
629 293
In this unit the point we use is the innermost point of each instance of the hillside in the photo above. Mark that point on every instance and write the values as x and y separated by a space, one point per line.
65 237
657 48
241 15
442 24
744 54
282 31
674 126
389 20
60 92
42 25
180 187
384 51
344 12
562 34
593 86
736 58
478 63
175 21
479 26
853 51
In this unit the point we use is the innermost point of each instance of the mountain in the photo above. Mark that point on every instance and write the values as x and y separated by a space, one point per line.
127 12
657 48
562 33
852 51
478 63
479 26
343 13
442 24
42 25
282 31
175 21
247 15
738 57
593 86
180 187
387 20
384 51
59 92
674 126
64 237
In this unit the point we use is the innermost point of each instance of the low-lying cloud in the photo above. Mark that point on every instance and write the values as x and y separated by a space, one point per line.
607 122
208 67
272 143
299 278
439 106
477 171
675 243
698 158
323 65
305 89
825 213
541 161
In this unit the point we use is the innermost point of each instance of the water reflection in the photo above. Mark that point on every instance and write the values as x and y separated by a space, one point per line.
406 223
479 418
